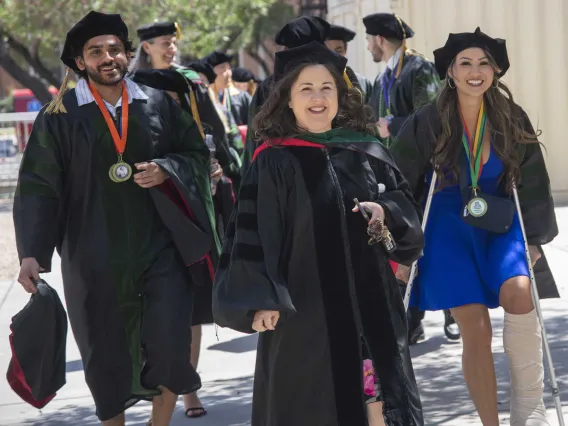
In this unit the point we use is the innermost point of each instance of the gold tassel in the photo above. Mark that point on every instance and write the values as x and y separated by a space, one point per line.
403 48
194 110
178 31
56 105
346 78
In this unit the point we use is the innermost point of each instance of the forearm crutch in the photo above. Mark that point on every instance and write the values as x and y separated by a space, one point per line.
424 220
534 291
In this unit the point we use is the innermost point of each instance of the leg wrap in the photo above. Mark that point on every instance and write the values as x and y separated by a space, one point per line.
523 345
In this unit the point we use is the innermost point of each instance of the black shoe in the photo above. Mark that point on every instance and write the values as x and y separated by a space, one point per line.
416 335
451 329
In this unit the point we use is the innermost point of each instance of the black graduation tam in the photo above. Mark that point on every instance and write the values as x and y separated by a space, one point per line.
38 342
216 58
157 29
169 80
387 25
456 43
242 75
302 30
94 24
311 53
204 68
337 32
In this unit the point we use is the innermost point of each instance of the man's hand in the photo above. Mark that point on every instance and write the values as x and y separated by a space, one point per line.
29 272
152 175
265 320
383 125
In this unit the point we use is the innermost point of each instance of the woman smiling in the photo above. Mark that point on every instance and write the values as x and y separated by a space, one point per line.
298 265
483 145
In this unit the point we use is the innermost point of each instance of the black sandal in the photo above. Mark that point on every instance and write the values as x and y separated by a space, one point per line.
200 412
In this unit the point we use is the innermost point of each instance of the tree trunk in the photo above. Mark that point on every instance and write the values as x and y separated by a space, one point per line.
253 53
32 58
19 74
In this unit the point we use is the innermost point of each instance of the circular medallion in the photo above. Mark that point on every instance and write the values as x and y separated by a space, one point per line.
477 207
120 172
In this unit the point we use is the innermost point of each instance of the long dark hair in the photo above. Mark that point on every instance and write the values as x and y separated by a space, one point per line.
507 124
276 121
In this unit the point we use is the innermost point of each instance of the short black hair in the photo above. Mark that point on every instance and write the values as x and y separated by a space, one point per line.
128 47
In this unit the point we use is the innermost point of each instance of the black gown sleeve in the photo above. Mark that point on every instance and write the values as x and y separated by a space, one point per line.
403 215
249 276
535 196
412 150
40 190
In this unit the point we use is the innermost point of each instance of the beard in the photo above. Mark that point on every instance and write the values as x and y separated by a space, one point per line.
378 54
98 76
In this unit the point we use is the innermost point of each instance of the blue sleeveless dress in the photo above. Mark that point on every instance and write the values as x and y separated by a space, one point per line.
463 264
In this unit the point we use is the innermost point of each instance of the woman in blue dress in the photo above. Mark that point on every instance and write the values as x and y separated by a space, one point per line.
474 258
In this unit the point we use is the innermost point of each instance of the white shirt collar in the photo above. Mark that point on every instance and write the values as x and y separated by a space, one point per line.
84 95
393 61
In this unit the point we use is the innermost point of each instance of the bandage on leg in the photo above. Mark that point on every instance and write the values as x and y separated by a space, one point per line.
523 345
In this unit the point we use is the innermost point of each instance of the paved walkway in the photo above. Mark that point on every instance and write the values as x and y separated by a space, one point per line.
227 366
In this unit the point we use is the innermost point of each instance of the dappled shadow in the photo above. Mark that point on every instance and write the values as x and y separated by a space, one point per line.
442 388
228 403
238 345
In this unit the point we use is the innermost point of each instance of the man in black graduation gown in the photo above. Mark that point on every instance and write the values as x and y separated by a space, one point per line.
236 101
337 40
409 82
105 169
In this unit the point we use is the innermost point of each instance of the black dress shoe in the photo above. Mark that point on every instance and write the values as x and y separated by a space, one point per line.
416 335
451 329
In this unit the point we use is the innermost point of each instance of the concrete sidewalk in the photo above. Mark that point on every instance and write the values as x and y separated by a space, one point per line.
227 366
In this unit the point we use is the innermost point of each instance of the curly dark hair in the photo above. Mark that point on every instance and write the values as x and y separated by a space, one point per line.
78 53
505 119
276 121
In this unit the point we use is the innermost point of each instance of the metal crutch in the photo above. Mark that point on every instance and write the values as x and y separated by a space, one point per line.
412 275
536 300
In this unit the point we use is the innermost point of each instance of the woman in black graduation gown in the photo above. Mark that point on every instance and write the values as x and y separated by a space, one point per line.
483 144
297 263
179 85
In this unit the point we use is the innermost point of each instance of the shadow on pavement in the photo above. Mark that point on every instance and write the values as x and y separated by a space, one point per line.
442 388
237 346
73 366
228 403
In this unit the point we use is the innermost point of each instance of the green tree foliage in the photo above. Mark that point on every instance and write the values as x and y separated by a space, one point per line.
32 31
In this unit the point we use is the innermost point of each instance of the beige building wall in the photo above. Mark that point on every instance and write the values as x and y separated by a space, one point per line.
537 40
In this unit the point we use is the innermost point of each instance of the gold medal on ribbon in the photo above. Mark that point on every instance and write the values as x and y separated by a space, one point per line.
121 171
477 207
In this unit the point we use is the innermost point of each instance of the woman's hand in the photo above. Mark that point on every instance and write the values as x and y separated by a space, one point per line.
535 254
265 320
376 210
403 273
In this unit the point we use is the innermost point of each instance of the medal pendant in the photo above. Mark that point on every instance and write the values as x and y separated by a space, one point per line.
477 207
120 172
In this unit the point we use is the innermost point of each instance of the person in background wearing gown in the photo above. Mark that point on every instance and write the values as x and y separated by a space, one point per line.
482 144
297 264
337 40
158 50
226 94
180 87
244 80
409 82
95 182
